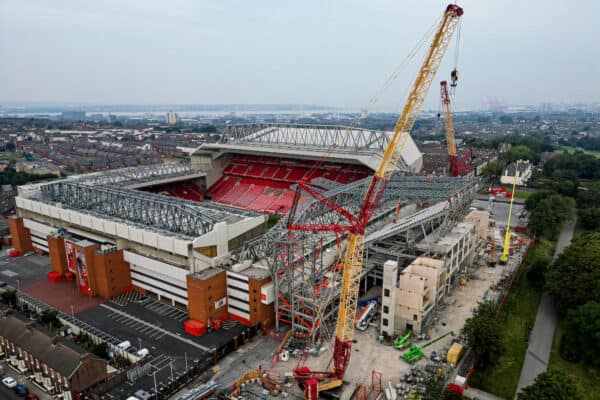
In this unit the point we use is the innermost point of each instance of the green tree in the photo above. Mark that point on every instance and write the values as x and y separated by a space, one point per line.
436 389
589 218
551 385
581 341
483 331
9 297
574 278
549 213
493 169
50 317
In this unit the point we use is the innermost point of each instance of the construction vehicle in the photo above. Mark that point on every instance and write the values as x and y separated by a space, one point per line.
402 341
354 229
361 322
506 249
457 166
416 352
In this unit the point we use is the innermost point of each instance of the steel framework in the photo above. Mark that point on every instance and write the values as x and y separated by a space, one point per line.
305 267
323 138
136 175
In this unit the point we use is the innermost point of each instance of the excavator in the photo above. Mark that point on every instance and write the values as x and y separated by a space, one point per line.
354 227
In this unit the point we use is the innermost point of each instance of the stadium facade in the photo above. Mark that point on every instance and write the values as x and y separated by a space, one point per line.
184 232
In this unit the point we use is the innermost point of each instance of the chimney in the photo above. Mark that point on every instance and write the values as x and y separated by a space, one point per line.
29 325
84 356
55 340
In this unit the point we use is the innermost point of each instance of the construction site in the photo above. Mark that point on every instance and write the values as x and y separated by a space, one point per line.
359 271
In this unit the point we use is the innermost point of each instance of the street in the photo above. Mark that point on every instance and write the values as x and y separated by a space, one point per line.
6 393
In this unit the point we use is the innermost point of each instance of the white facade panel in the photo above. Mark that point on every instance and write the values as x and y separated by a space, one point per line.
110 228
237 284
97 224
137 235
165 243
240 294
45 209
175 291
86 220
150 239
55 212
159 292
122 230
180 247
239 304
156 266
43 229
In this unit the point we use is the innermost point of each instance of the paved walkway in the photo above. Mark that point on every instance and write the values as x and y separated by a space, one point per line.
472 393
542 335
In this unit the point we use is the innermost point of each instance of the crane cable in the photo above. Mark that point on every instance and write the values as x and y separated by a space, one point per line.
375 98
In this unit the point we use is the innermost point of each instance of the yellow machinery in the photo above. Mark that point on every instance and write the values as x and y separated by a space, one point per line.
355 229
506 248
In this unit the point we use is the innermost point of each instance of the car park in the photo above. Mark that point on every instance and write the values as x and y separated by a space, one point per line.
9 382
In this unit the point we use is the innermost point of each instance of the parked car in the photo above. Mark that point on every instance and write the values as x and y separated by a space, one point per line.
142 395
9 382
2 284
142 353
32 396
21 390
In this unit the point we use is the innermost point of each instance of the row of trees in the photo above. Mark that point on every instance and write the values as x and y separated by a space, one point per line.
11 177
547 211
574 281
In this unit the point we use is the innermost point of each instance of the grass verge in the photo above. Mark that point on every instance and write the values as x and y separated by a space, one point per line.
587 378
518 317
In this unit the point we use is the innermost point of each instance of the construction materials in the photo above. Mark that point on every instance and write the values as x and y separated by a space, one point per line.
354 229
416 352
455 352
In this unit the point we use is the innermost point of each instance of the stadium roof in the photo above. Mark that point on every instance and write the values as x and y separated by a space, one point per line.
342 144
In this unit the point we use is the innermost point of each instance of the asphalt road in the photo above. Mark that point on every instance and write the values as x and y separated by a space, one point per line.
542 335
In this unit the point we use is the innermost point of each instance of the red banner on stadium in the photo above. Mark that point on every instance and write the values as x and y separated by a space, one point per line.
70 257
82 273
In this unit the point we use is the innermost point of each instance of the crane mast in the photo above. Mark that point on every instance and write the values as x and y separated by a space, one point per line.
355 230
453 161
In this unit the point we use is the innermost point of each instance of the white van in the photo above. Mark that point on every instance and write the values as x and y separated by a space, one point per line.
141 353
124 345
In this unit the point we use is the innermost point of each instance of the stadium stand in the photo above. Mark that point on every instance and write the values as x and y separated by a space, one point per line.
265 183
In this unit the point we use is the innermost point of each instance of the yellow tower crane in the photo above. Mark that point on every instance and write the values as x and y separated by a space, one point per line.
355 228
505 249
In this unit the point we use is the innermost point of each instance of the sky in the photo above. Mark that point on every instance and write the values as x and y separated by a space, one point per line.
326 52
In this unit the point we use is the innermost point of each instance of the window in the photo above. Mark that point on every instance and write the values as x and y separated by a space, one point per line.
385 322
414 317
386 310
386 292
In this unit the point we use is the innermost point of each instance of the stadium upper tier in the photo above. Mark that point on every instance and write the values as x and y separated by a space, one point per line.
341 144
266 184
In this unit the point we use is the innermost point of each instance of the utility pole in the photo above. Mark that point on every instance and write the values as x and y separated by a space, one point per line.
72 315
186 364
171 366
155 389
